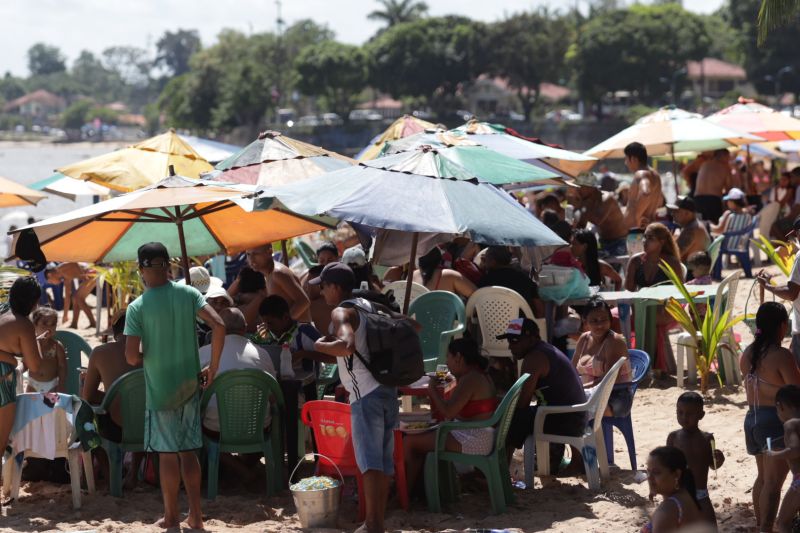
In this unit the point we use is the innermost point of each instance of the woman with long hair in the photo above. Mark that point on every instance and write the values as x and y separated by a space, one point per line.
767 366
584 249
644 268
17 340
474 398
435 278
668 475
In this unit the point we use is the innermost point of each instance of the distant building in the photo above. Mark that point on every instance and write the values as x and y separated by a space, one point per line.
385 105
493 95
38 105
714 78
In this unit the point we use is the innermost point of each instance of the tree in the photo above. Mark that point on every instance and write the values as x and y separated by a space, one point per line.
174 50
131 63
76 115
399 11
429 58
774 14
648 45
334 70
528 49
44 59
96 80
11 87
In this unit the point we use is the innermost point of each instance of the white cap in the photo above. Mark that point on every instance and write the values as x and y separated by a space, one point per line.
354 256
734 194
219 292
202 280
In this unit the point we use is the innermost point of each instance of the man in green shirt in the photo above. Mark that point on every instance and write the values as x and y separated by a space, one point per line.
162 321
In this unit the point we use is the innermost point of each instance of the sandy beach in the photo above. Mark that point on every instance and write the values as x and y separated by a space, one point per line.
560 504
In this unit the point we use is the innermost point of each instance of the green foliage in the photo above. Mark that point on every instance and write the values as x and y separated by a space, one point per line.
774 14
528 49
124 280
637 111
76 115
337 71
633 49
422 57
11 87
175 49
105 85
399 11
44 59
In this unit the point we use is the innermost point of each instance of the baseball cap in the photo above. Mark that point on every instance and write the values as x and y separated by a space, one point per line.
684 202
201 279
734 194
149 254
518 327
218 292
586 179
336 273
354 256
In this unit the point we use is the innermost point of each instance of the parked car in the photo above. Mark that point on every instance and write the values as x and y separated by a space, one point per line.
331 119
364 115
308 121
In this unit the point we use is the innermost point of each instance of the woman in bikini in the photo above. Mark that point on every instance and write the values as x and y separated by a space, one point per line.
669 476
597 350
474 398
17 339
767 367
435 278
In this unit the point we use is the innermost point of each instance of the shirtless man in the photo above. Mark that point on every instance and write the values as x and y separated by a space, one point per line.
693 237
68 273
280 280
713 179
604 212
107 363
644 196
698 447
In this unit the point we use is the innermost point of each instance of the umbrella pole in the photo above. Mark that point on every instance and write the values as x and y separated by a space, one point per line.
410 277
184 255
674 171
284 253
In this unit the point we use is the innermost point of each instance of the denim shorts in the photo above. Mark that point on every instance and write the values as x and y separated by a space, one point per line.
374 418
761 423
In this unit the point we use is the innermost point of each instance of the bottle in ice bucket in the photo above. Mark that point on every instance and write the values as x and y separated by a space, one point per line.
287 372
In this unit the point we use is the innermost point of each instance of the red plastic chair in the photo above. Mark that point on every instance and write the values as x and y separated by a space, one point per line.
330 422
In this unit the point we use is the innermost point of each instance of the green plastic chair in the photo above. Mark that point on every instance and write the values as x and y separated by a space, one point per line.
494 466
129 388
442 316
243 396
328 374
74 345
306 253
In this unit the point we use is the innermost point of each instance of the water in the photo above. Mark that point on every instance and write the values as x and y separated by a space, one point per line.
28 162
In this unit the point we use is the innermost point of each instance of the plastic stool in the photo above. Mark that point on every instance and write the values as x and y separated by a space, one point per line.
687 349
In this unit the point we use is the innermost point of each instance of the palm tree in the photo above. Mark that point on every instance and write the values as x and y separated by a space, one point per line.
397 11
773 14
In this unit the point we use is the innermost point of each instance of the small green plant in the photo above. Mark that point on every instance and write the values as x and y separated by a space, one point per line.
707 330
124 280
783 261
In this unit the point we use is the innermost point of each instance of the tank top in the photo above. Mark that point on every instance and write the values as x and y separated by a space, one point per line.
562 384
354 375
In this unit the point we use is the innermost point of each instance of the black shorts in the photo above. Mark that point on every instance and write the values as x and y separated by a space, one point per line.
760 424
709 206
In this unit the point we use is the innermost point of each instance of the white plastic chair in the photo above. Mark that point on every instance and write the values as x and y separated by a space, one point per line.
590 444
399 288
494 308
687 345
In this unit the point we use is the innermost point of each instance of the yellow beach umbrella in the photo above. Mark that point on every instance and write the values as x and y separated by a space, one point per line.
400 128
140 165
13 194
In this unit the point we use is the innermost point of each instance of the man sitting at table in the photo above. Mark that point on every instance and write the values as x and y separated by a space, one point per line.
106 364
693 237
553 381
500 273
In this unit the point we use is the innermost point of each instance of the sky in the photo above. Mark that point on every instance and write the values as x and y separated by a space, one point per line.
75 25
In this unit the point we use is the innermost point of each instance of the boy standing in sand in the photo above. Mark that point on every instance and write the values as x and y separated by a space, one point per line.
698 447
787 403
162 320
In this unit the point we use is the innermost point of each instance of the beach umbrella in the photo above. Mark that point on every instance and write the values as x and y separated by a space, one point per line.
275 159
13 194
69 188
510 143
751 117
670 131
466 163
191 217
399 129
139 165
211 151
393 198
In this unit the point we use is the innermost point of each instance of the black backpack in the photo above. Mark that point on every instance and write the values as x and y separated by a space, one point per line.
395 353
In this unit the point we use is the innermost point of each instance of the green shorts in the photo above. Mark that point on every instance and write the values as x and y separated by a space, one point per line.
8 384
175 430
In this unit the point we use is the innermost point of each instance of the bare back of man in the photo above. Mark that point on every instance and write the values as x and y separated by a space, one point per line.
713 178
106 364
644 198
603 211
284 283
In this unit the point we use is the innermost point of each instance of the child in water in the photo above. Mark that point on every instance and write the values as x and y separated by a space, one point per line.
52 374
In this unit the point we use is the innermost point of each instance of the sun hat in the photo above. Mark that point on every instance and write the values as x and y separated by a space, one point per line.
201 279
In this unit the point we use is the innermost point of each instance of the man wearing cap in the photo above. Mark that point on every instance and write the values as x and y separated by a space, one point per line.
713 179
693 237
162 322
604 212
280 280
373 407
790 291
553 381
